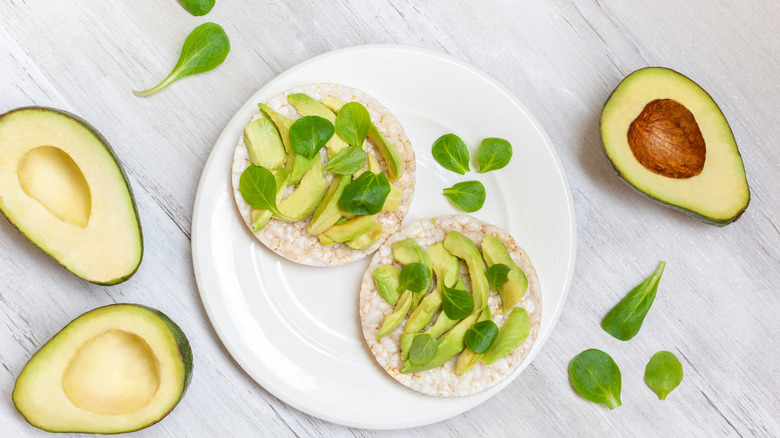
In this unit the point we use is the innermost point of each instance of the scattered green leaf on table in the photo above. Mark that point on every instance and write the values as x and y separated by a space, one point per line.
423 349
197 7
625 319
450 151
309 134
663 373
481 336
497 275
493 154
596 377
414 277
204 49
352 123
258 187
366 194
457 303
347 161
469 196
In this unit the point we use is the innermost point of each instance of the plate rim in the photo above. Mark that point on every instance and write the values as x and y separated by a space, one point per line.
210 162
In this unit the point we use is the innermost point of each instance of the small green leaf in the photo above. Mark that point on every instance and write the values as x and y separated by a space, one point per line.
625 319
414 277
258 187
309 134
469 196
596 377
352 123
663 373
457 303
366 194
205 48
481 336
497 275
450 151
197 7
423 349
348 161
493 154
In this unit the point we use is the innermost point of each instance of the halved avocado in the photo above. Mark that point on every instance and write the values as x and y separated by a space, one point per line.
667 138
62 187
114 369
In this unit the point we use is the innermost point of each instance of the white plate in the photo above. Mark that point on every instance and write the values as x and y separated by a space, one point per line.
295 329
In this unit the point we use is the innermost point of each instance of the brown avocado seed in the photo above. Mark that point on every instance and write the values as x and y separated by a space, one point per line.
666 140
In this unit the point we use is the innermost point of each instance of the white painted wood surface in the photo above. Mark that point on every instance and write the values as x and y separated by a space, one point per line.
718 302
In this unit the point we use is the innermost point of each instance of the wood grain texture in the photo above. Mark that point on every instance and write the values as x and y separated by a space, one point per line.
717 304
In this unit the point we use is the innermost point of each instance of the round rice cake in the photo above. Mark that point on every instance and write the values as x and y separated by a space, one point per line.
443 381
290 240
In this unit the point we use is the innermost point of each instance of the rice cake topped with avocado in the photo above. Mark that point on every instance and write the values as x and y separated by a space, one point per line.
393 317
311 227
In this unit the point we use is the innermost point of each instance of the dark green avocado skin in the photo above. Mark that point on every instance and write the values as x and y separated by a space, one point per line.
110 150
705 219
185 354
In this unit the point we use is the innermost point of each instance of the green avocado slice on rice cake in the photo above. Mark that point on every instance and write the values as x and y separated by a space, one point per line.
323 174
465 326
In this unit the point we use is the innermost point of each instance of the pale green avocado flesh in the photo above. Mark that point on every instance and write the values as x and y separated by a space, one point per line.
62 187
114 369
668 139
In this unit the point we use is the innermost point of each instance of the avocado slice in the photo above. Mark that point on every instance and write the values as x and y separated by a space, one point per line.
462 247
307 106
447 269
264 144
408 251
393 160
63 188
307 196
494 251
387 279
328 212
365 240
393 200
114 369
297 165
348 230
668 139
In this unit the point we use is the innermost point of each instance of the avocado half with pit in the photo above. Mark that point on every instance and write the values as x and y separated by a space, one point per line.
62 187
667 138
114 369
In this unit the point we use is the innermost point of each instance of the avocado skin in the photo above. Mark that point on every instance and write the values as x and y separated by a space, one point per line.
694 214
111 152
182 344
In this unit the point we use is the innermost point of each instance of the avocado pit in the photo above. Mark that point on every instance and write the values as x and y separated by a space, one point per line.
113 373
666 140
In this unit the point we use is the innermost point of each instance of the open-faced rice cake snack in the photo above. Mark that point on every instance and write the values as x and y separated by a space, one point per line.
445 244
318 232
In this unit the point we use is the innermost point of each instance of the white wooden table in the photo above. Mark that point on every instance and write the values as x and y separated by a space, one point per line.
718 302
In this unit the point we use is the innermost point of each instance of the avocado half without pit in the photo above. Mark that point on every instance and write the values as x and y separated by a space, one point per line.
114 369
666 137
62 187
